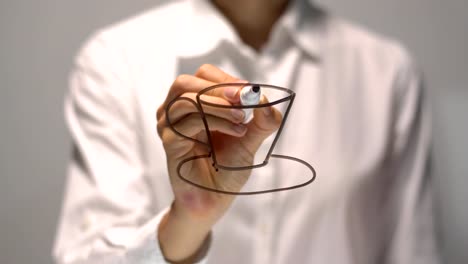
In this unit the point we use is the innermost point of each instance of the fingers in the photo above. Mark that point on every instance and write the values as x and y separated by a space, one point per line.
186 84
266 119
187 87
214 74
192 125
184 107
193 84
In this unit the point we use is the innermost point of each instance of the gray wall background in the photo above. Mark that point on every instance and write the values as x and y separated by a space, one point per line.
39 38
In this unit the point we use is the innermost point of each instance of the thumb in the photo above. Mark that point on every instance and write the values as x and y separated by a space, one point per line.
266 121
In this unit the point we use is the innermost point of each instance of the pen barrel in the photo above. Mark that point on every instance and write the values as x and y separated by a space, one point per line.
249 96
248 115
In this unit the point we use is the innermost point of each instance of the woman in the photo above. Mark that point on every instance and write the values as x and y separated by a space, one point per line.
359 115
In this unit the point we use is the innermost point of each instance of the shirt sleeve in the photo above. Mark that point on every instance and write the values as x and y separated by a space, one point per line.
412 236
108 214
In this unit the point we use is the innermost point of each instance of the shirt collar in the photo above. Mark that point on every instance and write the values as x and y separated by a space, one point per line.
306 24
209 28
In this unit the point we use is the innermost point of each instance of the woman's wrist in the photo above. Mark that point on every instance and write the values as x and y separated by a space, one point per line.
182 238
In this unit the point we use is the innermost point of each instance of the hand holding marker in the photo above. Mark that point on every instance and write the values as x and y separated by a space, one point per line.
249 95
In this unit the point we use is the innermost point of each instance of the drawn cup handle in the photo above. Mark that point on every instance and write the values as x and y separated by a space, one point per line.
171 126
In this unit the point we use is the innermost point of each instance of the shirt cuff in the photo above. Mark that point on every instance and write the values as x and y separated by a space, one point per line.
146 248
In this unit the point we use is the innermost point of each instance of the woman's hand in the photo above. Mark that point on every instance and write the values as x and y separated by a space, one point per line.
235 144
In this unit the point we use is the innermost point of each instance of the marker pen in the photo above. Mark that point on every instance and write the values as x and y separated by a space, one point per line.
250 95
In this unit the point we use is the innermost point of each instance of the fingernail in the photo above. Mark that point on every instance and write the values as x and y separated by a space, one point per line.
230 92
237 114
239 128
241 81
267 111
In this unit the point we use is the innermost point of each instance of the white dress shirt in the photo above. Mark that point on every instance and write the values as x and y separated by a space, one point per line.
359 117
